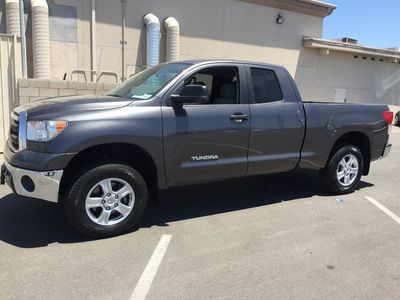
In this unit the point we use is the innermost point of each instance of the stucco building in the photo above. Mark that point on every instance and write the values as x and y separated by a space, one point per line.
94 36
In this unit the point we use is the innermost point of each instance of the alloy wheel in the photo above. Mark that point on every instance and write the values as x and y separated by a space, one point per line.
110 201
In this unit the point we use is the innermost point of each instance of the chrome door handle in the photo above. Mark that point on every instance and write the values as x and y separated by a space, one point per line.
238 117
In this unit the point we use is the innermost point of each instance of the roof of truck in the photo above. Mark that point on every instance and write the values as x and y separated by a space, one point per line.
205 61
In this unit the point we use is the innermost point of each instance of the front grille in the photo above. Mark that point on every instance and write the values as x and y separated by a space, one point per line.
14 131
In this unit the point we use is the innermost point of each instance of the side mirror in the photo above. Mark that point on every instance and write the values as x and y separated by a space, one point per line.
191 93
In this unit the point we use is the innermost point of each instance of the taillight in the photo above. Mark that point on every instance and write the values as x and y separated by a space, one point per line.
388 116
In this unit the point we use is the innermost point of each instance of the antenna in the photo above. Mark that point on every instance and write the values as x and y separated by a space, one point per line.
98 71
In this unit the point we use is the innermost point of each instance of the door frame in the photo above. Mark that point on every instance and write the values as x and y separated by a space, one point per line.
288 96
243 81
243 99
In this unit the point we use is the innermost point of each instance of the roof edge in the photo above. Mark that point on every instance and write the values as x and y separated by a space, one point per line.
308 7
318 43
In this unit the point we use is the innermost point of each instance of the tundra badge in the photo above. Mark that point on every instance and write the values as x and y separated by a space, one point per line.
205 157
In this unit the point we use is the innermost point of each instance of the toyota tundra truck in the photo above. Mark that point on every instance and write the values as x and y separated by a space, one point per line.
183 123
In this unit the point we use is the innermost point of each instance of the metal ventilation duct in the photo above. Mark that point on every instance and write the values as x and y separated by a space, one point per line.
173 32
12 17
40 39
153 39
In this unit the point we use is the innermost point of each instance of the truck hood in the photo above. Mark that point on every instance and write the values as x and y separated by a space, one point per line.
72 105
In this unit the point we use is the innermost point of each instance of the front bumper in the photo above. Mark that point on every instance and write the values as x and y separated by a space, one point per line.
36 184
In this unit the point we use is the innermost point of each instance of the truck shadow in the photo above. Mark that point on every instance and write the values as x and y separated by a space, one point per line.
215 198
31 223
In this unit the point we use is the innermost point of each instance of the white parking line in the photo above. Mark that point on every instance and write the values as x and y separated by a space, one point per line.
145 281
382 208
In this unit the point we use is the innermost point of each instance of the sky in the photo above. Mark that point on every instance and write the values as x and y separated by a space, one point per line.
374 23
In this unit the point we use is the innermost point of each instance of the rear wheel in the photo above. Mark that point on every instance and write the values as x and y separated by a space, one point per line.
344 169
396 120
106 199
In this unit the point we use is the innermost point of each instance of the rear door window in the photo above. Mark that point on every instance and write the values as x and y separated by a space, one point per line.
266 86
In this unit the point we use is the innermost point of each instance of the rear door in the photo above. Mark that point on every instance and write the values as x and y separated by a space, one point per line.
276 129
204 142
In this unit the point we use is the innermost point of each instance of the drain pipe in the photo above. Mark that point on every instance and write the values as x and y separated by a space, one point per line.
15 26
173 31
93 73
12 17
123 41
40 39
153 39
23 38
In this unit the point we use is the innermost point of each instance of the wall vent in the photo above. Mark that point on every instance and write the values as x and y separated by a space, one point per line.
348 40
393 48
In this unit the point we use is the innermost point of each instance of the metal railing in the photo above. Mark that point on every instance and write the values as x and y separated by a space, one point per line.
88 74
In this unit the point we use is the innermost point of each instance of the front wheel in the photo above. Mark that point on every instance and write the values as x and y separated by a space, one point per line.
106 199
344 169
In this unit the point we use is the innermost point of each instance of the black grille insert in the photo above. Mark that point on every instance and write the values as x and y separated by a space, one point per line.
14 130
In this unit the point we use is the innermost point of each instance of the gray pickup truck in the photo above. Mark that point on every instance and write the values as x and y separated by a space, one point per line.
183 123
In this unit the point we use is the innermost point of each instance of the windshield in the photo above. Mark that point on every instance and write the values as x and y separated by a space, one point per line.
147 83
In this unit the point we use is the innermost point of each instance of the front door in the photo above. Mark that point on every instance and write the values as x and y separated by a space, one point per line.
205 142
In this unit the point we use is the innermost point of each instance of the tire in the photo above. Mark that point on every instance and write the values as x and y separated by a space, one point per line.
340 175
106 199
396 120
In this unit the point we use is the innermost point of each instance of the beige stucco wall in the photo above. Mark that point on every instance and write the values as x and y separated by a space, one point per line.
209 29
226 29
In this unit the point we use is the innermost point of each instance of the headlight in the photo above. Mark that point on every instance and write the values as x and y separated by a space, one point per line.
43 131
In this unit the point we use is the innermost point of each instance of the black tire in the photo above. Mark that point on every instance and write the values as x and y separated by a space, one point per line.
75 199
329 174
397 120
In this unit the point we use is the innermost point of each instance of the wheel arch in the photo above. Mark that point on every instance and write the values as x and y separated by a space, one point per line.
130 154
358 139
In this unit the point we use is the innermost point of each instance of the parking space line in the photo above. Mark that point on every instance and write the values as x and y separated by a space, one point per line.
382 208
145 281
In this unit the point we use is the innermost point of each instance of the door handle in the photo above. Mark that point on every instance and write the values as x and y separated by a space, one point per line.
300 116
238 117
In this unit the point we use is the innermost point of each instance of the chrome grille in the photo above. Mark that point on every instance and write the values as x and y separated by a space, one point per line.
14 131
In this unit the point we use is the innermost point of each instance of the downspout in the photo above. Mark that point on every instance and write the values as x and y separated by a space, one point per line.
40 39
12 17
23 38
15 26
123 42
173 32
153 40
93 75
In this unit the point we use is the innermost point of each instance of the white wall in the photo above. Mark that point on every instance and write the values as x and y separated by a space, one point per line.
361 80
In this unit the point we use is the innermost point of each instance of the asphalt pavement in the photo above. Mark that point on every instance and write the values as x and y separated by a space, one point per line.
272 237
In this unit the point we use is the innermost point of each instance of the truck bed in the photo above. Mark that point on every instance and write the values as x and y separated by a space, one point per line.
327 121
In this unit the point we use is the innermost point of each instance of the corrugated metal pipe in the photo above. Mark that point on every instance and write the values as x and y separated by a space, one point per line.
12 17
40 39
153 39
173 32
